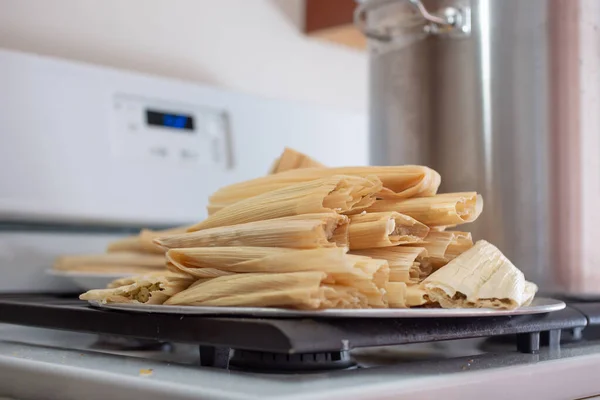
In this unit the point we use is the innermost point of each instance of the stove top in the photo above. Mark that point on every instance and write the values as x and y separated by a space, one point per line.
158 356
284 343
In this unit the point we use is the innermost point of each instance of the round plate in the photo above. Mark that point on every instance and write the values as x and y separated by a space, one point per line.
538 306
88 280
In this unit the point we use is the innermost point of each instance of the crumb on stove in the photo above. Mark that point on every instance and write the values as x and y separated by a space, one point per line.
146 372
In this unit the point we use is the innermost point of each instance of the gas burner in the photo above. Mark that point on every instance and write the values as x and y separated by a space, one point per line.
291 363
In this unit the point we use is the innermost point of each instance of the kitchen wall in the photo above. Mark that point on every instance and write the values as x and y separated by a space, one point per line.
254 46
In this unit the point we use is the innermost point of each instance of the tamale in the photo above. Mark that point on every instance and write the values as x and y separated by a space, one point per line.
301 290
304 231
480 277
143 242
444 246
399 182
134 278
145 289
396 294
439 210
401 260
367 275
416 296
110 262
384 229
292 159
334 194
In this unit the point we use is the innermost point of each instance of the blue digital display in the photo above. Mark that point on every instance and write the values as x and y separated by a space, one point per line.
168 120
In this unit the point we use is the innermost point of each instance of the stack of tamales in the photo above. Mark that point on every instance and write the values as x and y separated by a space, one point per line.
313 237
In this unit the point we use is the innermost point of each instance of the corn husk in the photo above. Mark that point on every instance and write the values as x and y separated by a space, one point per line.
305 231
372 230
396 294
172 276
401 260
440 210
367 275
300 290
416 295
481 277
143 243
334 194
292 159
144 289
444 246
399 182
111 262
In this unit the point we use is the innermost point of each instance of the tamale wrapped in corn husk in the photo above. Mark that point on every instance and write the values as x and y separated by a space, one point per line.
111 262
401 260
363 273
292 159
333 194
301 290
481 277
384 229
444 246
399 182
143 243
396 294
172 276
304 231
439 210
416 295
145 289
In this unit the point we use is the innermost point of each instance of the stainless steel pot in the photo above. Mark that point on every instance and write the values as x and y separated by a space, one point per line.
501 97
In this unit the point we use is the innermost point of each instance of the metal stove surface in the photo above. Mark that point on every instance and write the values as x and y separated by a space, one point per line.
51 364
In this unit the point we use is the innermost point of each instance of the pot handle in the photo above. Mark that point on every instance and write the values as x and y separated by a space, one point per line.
449 21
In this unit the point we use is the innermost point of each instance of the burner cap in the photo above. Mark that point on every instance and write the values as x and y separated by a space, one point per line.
281 363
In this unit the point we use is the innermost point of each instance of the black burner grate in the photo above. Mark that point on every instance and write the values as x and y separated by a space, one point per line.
326 336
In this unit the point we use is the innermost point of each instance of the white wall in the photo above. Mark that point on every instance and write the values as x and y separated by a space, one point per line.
250 45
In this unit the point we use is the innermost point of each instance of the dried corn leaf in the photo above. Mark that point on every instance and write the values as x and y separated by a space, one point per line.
305 231
444 246
399 182
396 295
440 210
292 159
334 194
301 290
372 230
145 289
401 260
367 275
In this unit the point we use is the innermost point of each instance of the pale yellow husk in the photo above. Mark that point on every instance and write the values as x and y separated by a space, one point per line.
338 194
111 262
145 289
171 276
292 159
399 182
301 290
440 210
481 277
143 243
444 246
365 274
372 230
304 231
401 260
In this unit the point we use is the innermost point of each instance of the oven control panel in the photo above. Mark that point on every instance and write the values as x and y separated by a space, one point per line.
166 132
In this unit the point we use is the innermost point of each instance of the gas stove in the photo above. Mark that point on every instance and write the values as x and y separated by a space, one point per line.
71 350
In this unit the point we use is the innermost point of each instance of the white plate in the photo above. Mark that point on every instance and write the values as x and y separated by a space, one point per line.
88 280
538 306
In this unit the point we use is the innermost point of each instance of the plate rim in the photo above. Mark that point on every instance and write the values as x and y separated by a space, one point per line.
268 312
